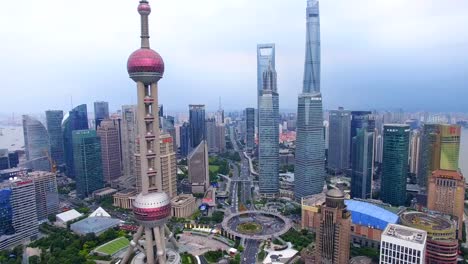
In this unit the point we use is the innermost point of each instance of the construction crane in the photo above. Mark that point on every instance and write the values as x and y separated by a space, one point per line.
53 166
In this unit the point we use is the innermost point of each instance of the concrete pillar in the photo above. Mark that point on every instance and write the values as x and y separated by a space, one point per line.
149 246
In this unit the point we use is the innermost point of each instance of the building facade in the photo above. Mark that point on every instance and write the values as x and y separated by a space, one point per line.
446 194
339 140
18 218
87 162
362 163
250 128
185 144
101 112
198 169
449 147
168 165
429 153
54 129
197 124
334 233
183 206
77 119
108 134
268 134
401 244
36 143
129 131
395 164
265 58
210 125
310 141
46 192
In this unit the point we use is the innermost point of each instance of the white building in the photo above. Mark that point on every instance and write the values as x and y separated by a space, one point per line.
401 244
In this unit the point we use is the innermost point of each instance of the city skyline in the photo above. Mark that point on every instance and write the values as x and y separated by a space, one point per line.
369 63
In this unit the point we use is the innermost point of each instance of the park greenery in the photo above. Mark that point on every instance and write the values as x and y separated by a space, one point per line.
13 256
250 228
188 258
231 155
365 251
214 256
61 246
216 218
300 239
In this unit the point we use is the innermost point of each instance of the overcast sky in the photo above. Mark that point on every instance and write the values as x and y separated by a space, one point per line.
410 54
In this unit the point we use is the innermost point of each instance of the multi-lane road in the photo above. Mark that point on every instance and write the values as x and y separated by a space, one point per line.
243 177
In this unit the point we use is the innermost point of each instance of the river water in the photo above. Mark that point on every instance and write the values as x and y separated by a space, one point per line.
11 138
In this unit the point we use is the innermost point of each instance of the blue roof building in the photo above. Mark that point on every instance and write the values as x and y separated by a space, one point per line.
96 225
370 215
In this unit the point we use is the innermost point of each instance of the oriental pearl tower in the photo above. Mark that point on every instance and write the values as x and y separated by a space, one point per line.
152 207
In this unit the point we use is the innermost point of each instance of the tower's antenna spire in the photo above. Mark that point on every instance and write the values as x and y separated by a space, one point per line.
144 9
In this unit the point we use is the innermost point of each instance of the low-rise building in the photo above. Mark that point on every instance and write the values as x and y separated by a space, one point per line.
125 198
63 218
96 225
183 205
442 245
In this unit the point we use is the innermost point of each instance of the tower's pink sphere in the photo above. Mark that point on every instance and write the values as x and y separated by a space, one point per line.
145 61
144 9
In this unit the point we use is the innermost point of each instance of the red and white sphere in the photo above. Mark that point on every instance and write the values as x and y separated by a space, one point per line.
144 8
145 65
152 209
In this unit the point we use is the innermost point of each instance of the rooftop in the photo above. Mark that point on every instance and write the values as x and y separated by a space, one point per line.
405 233
426 222
94 225
368 214
448 174
69 215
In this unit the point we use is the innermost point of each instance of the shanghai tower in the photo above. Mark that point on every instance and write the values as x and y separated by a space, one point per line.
310 143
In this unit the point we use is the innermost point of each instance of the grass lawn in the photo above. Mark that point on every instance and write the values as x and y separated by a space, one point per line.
214 168
114 246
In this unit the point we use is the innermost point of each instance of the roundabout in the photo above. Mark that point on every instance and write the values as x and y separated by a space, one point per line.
258 225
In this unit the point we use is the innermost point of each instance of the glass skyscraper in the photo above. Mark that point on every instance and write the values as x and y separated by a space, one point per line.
185 145
265 59
101 112
250 128
268 132
54 128
87 162
395 164
428 157
339 140
310 141
77 119
362 163
197 124
36 142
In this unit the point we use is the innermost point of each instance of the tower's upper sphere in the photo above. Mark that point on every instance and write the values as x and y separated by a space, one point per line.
145 65
144 8
152 209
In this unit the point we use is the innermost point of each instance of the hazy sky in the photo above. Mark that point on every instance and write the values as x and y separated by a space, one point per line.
410 54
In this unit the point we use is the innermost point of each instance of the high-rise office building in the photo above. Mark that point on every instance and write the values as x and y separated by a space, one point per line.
414 151
46 192
101 112
220 114
394 164
87 162
185 145
36 143
169 128
13 158
339 140
310 141
210 125
54 129
265 59
446 194
168 165
198 169
197 124
220 138
4 159
268 134
334 232
439 149
129 131
77 119
18 217
402 244
110 150
449 146
362 163
250 128
359 119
